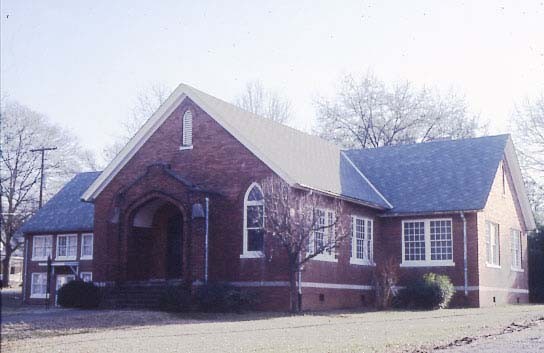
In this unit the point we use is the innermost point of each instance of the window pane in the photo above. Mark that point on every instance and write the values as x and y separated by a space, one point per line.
359 237
87 249
441 240
255 240
255 194
61 251
414 241
255 216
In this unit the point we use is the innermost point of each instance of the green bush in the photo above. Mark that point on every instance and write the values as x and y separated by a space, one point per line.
79 294
220 297
430 292
175 298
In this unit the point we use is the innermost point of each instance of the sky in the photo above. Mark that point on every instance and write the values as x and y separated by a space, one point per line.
82 63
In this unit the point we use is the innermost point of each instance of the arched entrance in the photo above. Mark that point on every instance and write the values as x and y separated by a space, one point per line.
156 241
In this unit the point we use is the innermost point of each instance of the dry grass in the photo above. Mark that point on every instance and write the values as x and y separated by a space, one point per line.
332 331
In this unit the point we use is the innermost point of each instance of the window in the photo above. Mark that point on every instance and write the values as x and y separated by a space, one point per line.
253 222
87 246
42 246
492 244
427 242
323 235
38 287
515 248
441 244
187 130
361 241
67 247
86 276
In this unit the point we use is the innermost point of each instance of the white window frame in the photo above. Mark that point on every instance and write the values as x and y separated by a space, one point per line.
245 252
66 257
187 130
38 295
83 236
516 250
90 274
365 260
427 238
48 238
328 233
490 242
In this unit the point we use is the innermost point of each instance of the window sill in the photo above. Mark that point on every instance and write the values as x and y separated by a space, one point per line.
428 264
360 262
183 148
493 266
325 258
38 259
38 296
252 255
514 269
86 258
65 258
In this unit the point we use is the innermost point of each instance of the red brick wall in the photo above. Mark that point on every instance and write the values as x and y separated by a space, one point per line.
217 162
34 266
501 208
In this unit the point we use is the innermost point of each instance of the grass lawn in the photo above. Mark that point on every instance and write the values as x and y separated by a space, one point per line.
143 331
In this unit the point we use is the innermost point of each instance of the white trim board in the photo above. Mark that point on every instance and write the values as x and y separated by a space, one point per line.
304 285
360 287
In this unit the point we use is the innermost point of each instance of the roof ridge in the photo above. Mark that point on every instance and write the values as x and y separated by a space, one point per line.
398 146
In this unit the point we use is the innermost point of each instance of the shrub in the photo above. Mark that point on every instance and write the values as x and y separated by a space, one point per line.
79 294
220 297
430 292
175 298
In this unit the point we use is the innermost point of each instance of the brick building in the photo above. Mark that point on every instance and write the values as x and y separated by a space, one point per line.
177 204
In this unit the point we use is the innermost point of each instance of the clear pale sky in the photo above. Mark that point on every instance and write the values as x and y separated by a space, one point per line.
83 62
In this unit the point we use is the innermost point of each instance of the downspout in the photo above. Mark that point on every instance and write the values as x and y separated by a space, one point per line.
25 266
465 261
299 282
206 242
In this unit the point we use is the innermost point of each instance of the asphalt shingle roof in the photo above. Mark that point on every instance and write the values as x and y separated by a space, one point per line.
446 175
65 212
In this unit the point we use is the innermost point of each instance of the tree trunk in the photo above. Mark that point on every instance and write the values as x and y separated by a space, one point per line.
5 268
293 290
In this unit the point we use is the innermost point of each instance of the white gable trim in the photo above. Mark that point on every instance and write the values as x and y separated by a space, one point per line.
149 128
134 144
519 186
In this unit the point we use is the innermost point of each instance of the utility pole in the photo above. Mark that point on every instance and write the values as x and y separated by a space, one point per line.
42 150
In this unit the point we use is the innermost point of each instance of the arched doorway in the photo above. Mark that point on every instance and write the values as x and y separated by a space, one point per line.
156 242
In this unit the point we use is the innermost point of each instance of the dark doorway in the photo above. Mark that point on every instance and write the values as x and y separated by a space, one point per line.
174 246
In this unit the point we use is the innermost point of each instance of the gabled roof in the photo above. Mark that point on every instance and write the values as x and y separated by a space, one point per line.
65 212
302 160
441 176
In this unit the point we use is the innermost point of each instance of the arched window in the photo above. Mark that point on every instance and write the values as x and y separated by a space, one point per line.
253 222
187 129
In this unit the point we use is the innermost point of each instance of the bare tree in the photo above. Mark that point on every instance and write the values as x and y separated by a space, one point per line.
147 102
297 223
528 118
22 130
266 103
367 112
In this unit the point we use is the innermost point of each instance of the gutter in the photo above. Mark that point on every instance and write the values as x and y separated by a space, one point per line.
338 196
465 261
